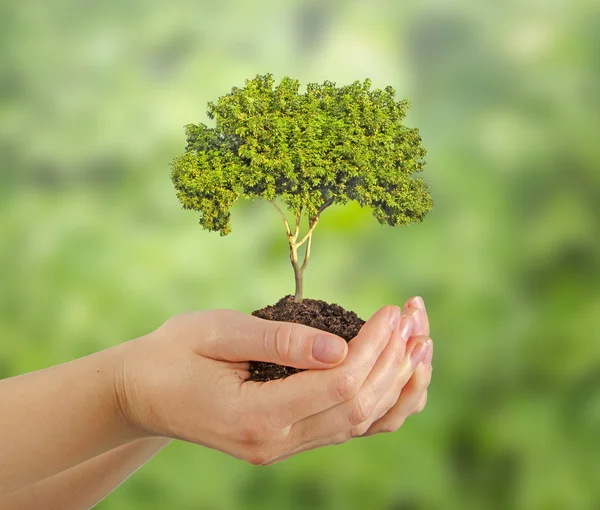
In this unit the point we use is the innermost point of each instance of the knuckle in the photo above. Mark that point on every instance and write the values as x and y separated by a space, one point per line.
257 457
398 352
220 313
360 430
401 382
213 317
388 428
347 387
283 341
391 426
361 410
251 434
208 323
260 446
341 439
420 406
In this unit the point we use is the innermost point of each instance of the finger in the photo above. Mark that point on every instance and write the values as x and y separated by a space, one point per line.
417 316
407 304
332 426
240 337
393 394
418 347
337 437
419 303
411 396
353 418
420 406
307 393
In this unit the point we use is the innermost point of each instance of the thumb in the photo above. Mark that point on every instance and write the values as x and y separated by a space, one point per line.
300 346
247 338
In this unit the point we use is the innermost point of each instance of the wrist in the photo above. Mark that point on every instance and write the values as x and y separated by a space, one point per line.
127 397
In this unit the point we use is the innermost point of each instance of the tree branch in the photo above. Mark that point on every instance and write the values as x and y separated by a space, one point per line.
285 221
298 218
325 205
307 253
314 222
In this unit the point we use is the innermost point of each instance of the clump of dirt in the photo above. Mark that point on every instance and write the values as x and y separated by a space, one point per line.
311 312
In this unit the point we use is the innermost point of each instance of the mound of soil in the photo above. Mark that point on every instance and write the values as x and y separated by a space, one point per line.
311 312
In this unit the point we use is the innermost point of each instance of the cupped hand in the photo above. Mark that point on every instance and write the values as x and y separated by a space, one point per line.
412 397
189 380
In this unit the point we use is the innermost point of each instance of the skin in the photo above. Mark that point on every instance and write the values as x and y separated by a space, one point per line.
69 445
86 484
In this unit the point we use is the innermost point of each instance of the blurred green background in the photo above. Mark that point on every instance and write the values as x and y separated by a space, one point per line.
95 250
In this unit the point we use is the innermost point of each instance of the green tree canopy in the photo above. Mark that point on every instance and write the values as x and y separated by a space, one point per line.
328 145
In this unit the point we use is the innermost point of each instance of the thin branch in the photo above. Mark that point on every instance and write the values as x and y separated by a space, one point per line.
314 222
307 253
285 221
298 218
325 206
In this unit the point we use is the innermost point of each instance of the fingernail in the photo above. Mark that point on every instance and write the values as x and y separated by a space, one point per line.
418 326
418 302
406 326
328 349
394 317
429 355
418 353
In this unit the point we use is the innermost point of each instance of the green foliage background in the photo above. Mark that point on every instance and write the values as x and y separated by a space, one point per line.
94 248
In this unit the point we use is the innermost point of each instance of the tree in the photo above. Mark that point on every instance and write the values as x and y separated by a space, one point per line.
311 150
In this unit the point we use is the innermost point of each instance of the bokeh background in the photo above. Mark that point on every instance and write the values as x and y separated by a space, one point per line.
95 250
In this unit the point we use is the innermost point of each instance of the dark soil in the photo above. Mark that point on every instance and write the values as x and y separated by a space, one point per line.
311 312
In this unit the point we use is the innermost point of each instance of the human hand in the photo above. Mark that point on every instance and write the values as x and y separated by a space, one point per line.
188 380
407 394
413 396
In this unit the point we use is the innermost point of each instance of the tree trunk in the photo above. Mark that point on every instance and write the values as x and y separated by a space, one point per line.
298 273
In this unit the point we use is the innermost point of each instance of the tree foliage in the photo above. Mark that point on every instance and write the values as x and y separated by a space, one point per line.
328 145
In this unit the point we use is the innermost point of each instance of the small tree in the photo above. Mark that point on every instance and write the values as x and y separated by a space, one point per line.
326 146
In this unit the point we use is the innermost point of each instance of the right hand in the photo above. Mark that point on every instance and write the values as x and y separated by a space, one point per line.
188 380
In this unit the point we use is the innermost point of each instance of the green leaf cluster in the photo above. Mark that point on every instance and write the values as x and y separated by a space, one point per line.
328 145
